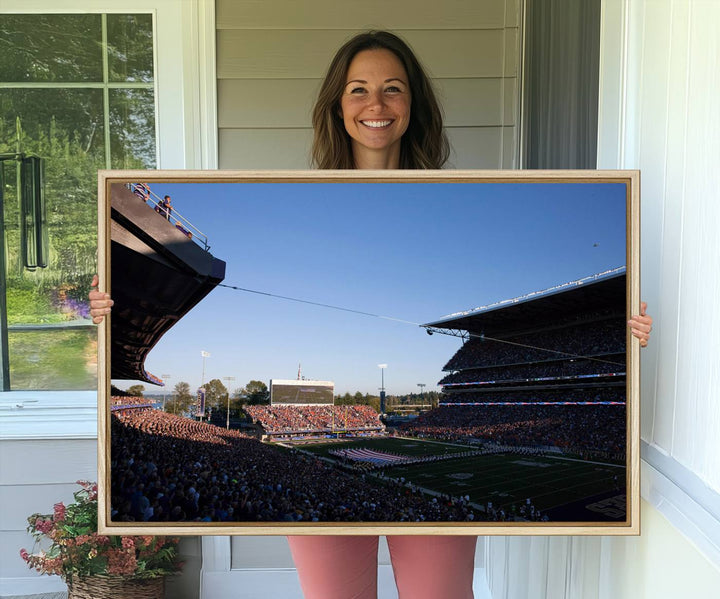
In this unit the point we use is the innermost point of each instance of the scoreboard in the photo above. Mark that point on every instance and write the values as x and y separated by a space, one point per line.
301 392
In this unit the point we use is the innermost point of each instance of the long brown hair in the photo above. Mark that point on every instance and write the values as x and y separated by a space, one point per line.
424 144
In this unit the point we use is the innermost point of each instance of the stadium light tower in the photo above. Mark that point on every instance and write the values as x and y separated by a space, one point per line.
165 379
422 388
382 368
229 379
204 355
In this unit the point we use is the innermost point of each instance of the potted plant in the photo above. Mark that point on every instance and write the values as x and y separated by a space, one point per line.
93 565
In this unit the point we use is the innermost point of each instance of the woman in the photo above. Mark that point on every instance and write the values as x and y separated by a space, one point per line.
376 109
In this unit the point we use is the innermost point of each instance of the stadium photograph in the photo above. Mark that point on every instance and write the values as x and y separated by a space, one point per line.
363 353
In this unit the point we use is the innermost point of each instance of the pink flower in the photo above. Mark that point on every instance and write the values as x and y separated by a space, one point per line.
128 542
25 555
121 562
44 526
59 509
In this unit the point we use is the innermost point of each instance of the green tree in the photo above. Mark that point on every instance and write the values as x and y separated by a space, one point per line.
256 393
373 401
237 400
181 400
215 394
344 400
136 390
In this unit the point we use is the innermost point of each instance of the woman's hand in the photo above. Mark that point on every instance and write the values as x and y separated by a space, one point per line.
641 325
100 303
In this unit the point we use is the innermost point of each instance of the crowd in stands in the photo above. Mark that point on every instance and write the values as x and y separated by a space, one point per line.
590 339
590 393
166 468
612 364
488 371
596 429
301 419
120 404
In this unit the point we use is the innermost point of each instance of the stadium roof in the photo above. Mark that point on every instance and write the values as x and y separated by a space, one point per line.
601 292
158 275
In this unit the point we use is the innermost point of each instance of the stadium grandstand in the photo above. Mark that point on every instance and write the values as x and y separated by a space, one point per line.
530 425
168 468
301 422
159 274
542 373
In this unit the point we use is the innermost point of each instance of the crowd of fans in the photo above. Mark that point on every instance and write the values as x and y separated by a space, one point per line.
497 372
591 393
120 404
611 364
167 468
304 419
589 339
597 430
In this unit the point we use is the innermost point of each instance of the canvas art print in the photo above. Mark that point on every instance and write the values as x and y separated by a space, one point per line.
328 353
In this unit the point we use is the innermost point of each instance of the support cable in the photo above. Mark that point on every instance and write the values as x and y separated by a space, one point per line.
428 329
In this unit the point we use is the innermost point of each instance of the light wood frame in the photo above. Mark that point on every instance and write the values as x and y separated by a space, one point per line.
631 526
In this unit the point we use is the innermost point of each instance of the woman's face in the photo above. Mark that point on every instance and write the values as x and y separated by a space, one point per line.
375 104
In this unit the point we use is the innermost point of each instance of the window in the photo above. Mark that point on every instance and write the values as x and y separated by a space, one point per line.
78 91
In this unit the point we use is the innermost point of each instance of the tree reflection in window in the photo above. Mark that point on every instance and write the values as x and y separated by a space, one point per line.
78 91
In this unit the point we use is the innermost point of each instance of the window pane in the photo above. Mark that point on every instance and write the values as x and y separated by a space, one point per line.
52 343
53 359
132 128
130 47
54 116
50 48
65 128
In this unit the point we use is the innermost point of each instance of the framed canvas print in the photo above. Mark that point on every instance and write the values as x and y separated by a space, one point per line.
369 352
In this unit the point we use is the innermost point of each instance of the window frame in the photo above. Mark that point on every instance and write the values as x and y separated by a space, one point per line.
186 137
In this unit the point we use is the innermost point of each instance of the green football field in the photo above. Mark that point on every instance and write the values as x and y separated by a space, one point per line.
506 480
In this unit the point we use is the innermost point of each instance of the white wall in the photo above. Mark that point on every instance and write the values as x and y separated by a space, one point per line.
39 466
660 84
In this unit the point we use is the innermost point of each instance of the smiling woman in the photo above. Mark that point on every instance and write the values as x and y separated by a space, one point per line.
375 108
364 105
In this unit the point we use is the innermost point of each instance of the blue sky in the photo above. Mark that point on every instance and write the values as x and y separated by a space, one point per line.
411 251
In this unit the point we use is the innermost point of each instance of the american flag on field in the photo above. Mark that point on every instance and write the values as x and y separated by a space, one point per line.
368 455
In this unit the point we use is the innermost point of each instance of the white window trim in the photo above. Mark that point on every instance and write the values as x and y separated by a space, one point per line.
186 128
679 495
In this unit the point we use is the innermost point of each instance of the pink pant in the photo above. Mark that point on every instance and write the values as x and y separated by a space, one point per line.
345 567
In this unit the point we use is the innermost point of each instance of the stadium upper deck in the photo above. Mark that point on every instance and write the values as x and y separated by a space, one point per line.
158 275
602 294
569 339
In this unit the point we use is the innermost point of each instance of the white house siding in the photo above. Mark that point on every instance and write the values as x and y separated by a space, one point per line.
271 58
55 467
48 441
660 81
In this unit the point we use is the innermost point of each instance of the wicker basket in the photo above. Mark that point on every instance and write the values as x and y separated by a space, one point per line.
116 587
